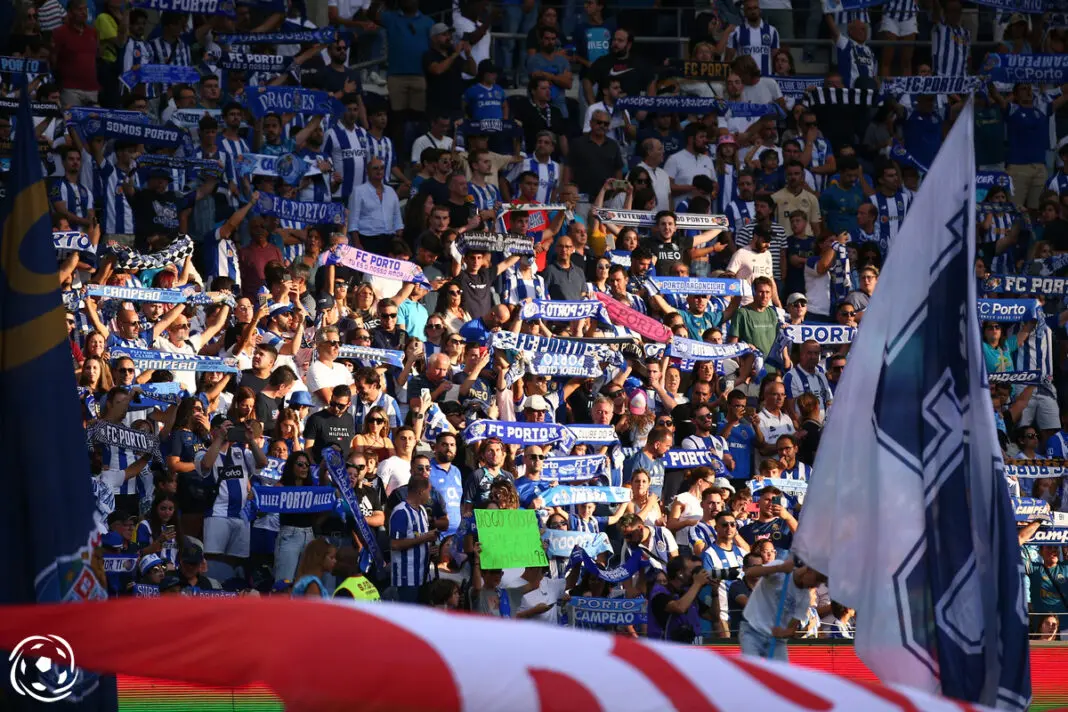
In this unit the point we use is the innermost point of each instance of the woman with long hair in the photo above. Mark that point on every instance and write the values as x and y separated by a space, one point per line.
243 407
95 345
998 223
1026 445
626 242
316 562
548 19
375 436
643 502
999 350
599 281
450 305
212 385
295 529
160 532
363 305
639 180
727 166
95 376
287 429
436 332
686 509
704 88
455 347
417 217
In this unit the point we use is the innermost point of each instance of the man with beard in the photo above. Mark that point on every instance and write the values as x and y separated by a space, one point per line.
635 74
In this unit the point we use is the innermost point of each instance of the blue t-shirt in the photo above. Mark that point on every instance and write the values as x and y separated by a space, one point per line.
740 446
1028 129
655 468
923 135
449 485
409 40
484 102
593 41
673 142
839 207
771 182
777 530
555 65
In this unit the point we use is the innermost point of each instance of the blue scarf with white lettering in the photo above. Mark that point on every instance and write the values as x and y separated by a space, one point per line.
79 114
23 65
104 433
1028 509
932 85
822 334
157 395
703 351
594 434
1009 311
543 364
487 126
1026 284
841 280
293 500
513 341
120 563
685 459
325 35
336 466
164 296
136 131
147 359
513 433
74 241
1027 68
160 74
697 105
200 165
608 611
292 100
563 542
565 496
1017 378
389 357
273 471
195 7
783 341
552 310
574 468
1031 472
299 211
798 85
273 63
619 574
715 286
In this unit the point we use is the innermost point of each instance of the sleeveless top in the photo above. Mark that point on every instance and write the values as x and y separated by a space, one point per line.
304 582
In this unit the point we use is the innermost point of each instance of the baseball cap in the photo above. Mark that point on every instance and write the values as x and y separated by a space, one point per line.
169 582
725 138
280 308
324 302
192 555
112 539
300 398
535 402
723 483
796 297
148 562
439 28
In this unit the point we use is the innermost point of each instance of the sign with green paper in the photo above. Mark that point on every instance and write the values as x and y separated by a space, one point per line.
510 538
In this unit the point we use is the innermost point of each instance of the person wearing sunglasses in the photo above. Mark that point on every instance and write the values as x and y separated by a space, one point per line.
332 425
325 372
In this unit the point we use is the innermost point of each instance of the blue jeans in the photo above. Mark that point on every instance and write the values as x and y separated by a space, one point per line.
512 53
287 550
756 644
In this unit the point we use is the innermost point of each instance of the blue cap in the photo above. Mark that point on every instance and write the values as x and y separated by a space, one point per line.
300 398
147 562
277 309
112 539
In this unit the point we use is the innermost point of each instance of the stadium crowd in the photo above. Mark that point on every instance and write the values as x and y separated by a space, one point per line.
504 267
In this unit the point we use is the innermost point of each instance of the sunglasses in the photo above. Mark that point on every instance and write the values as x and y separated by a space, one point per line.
665 423
362 337
377 420
453 292
729 524
421 468
332 343
435 326
390 316
600 122
458 342
614 394
358 468
124 370
338 406
535 458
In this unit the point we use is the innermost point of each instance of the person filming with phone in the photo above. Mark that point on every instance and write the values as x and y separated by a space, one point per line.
229 463
773 520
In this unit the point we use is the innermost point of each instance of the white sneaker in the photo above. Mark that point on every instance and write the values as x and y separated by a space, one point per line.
376 78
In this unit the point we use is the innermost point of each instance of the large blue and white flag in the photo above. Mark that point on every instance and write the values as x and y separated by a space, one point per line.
910 517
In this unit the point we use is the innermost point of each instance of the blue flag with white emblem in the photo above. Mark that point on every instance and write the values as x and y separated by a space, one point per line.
910 516
46 511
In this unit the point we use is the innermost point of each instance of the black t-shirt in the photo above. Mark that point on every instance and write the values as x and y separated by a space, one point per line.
581 404
1056 233
536 119
327 429
320 75
444 91
438 191
267 410
459 214
633 73
250 379
395 340
593 164
667 254
157 214
477 298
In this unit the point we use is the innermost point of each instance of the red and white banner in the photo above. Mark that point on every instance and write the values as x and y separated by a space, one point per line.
622 315
394 658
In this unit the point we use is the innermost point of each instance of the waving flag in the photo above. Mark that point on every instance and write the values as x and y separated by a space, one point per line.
46 512
910 516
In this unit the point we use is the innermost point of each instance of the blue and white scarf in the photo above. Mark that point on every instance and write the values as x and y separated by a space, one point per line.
562 543
1017 378
565 496
389 357
1026 284
1009 311
510 340
299 211
136 131
73 241
932 85
104 433
293 500
336 466
686 459
273 470
147 359
647 219
696 105
120 563
1031 472
1028 509
561 311
175 253
841 281
160 74
195 7
684 348
822 334
1027 68
608 611
292 100
715 286
575 468
1031 7
513 433
163 296
271 63
9 107
377 265
901 154
326 35
619 574
487 126
80 114
794 487
261 164
145 590
200 165
594 434
544 364
798 85
157 395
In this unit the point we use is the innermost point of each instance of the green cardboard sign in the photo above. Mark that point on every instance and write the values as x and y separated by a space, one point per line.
510 538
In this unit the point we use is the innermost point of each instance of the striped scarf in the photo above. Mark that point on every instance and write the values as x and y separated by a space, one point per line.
173 254
841 282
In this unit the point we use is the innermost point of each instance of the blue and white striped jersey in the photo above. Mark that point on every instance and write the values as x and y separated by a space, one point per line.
740 213
385 401
78 198
821 151
798 381
1057 446
233 470
316 188
409 567
382 149
900 10
220 257
708 443
1058 182
800 471
118 458
118 215
136 52
293 252
1000 226
950 47
702 531
892 210
232 147
1036 354
513 288
548 177
855 61
757 42
487 196
169 551
348 151
728 188
843 17
587 526
178 54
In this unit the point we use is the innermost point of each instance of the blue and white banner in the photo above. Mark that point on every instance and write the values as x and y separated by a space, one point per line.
486 126
165 74
562 365
1049 535
299 211
261 164
1028 7
1032 472
1027 68
195 7
145 590
988 179
512 433
594 434
932 85
510 340
273 471
574 469
335 464
696 105
138 294
325 35
561 311
798 85
23 65
562 543
292 100
81 114
791 487
686 459
294 500
377 265
715 286
647 218
608 611
822 334
1009 310
565 496
619 574
157 160
104 433
1017 378
1028 509
120 563
703 351
1026 284
271 63
137 132
909 512
157 395
189 119
389 357
74 241
9 107
149 360
901 154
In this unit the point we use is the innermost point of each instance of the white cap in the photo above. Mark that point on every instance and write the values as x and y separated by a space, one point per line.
535 402
723 483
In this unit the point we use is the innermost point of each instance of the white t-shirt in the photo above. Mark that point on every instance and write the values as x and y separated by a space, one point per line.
774 427
691 507
817 288
320 376
187 379
661 186
765 91
616 117
426 141
760 611
548 591
749 265
682 166
481 50
347 9
394 472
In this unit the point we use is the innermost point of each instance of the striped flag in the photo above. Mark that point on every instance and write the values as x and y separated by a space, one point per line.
909 513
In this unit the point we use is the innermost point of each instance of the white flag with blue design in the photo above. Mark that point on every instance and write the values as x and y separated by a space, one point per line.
908 512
